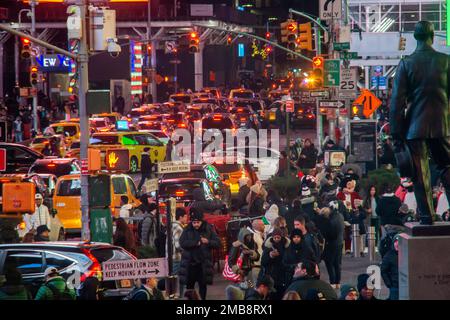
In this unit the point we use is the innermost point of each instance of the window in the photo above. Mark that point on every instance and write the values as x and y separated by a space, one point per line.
57 261
104 139
129 140
20 154
119 185
27 262
70 130
132 187
69 188
103 255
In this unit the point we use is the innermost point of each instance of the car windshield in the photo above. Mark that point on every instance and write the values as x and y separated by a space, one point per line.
58 169
192 174
160 134
69 188
205 100
184 99
66 129
104 139
243 94
137 113
220 123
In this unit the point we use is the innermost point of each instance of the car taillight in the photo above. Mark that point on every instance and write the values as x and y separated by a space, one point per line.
95 270
51 165
310 116
179 193
243 119
182 125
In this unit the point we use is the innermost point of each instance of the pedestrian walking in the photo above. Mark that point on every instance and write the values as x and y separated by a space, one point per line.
146 167
311 247
18 129
54 287
39 217
123 237
42 234
389 270
13 288
197 242
294 254
388 207
365 291
147 291
308 155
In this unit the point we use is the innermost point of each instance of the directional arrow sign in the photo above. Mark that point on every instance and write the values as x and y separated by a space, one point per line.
369 101
134 269
331 104
173 167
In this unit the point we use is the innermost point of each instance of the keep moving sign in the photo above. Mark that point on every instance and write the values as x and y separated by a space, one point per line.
134 269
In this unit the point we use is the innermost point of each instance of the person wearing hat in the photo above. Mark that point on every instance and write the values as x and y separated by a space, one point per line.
197 242
41 215
264 287
388 207
294 254
419 117
42 233
272 260
306 278
365 290
349 293
389 269
54 287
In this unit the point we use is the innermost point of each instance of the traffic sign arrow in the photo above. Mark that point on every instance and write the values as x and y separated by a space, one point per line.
331 103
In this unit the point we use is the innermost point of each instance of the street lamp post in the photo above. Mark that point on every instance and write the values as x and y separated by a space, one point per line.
33 5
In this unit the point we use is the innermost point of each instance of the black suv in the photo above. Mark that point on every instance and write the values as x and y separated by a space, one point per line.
19 158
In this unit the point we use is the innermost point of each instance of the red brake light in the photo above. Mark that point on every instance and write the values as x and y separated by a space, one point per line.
51 165
95 270
217 117
310 116
182 125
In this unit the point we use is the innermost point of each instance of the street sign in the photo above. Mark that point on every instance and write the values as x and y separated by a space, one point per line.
134 269
3 131
324 94
331 104
56 63
2 159
171 46
369 102
348 87
290 106
379 82
330 9
331 72
341 46
173 167
177 61
348 55
151 185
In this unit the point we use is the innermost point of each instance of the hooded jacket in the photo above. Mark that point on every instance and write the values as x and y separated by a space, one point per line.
248 260
195 253
387 210
389 269
14 292
45 293
274 266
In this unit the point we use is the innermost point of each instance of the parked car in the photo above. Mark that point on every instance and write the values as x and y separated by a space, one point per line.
19 158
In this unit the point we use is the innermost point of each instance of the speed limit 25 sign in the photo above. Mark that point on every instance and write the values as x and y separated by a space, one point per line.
348 84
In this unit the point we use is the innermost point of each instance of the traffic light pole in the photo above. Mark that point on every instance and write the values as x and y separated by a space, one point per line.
33 33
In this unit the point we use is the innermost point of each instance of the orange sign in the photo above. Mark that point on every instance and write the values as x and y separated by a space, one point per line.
318 61
369 101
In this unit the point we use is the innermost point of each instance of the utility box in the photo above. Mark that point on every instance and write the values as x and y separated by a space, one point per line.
18 197
99 191
101 225
94 160
103 27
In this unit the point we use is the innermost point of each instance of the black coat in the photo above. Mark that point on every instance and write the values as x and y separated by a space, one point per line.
256 208
292 256
195 253
387 210
242 195
334 235
311 157
302 285
426 105
290 216
146 163
274 266
389 269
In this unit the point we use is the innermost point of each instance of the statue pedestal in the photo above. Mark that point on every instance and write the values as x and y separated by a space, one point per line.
424 262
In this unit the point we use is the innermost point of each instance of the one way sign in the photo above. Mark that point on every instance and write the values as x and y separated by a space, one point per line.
330 9
331 104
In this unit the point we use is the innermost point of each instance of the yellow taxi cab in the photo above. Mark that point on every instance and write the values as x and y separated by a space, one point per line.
112 116
67 198
241 94
70 130
40 142
134 141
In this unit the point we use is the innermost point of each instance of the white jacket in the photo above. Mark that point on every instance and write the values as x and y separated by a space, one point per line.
41 216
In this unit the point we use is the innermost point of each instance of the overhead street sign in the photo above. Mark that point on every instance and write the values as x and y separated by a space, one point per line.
134 269
348 55
379 82
341 46
331 104
330 9
173 167
56 63
369 102
331 72
171 46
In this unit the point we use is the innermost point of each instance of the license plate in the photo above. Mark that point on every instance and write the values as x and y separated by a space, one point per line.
125 283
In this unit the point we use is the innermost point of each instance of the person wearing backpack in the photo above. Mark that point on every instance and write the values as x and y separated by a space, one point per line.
147 291
147 226
311 246
54 287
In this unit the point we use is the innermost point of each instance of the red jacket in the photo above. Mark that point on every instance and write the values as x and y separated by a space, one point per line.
353 195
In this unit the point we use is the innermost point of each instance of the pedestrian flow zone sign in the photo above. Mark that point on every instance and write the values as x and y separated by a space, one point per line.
331 73
134 269
173 167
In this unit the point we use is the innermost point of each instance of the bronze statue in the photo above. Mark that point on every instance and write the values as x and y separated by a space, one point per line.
419 116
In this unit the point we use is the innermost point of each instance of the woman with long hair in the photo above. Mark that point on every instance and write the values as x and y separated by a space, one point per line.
370 206
123 236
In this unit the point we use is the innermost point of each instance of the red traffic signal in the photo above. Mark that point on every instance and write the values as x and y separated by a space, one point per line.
268 35
25 41
318 62
229 40
26 48
292 27
194 35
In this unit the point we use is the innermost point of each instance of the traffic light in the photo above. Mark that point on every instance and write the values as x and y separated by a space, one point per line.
229 40
304 39
194 42
402 44
34 75
289 33
317 73
26 49
268 35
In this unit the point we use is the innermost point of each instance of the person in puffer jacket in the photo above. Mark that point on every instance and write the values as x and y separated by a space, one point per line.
246 248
